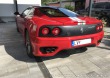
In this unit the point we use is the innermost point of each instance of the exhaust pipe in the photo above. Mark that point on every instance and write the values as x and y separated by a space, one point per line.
50 50
46 50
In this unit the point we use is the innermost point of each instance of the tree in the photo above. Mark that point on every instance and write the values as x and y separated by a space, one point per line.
69 7
45 2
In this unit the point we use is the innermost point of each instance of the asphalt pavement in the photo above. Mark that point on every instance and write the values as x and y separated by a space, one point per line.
107 29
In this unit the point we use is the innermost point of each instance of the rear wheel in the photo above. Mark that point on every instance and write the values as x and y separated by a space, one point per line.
29 46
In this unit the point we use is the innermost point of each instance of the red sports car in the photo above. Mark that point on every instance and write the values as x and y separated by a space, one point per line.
48 30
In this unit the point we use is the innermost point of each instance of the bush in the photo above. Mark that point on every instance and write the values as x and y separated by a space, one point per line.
69 7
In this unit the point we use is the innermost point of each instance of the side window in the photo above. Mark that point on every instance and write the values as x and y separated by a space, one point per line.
25 12
31 12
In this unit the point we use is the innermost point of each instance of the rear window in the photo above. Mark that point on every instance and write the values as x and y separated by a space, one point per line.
52 12
68 12
57 12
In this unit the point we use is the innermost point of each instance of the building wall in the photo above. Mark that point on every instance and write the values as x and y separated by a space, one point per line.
67 3
62 5
96 1
55 4
7 8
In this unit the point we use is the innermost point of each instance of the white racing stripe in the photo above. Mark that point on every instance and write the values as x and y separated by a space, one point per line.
80 22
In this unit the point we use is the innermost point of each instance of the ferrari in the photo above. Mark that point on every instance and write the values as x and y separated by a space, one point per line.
48 30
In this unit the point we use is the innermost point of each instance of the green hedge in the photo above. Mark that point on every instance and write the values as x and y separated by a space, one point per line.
69 7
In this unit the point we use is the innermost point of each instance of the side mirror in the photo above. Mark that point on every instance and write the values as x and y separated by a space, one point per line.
16 13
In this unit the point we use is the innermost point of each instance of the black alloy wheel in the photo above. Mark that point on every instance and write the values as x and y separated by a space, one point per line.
17 26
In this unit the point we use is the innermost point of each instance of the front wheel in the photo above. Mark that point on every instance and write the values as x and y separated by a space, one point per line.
29 46
17 29
17 26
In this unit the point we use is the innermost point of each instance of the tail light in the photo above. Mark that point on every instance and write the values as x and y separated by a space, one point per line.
56 31
45 31
99 27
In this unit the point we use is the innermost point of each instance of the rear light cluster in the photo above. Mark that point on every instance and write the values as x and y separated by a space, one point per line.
99 27
55 31
45 31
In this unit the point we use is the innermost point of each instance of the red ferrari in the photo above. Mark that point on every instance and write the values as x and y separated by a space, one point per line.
48 30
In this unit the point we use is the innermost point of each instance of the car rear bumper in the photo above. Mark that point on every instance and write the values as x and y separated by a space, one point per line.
61 43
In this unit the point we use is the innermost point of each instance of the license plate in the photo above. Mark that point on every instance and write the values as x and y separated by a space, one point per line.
81 42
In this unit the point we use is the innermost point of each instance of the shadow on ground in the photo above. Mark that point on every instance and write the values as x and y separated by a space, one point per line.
66 53
18 52
13 42
106 42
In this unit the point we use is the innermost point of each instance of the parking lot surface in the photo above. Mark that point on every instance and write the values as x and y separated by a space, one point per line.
91 62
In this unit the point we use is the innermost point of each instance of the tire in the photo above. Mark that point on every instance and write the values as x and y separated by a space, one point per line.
28 46
17 26
17 29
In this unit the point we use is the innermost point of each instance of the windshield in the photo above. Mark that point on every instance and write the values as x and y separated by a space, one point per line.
68 12
57 12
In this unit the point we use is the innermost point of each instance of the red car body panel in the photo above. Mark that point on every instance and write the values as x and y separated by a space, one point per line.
33 25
